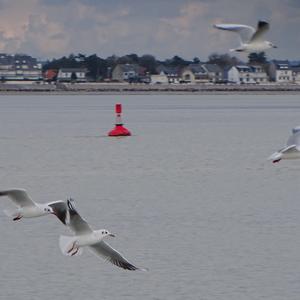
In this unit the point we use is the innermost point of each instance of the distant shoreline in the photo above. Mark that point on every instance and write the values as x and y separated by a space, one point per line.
119 88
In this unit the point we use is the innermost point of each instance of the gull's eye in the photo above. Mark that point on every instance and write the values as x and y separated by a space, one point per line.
102 232
106 232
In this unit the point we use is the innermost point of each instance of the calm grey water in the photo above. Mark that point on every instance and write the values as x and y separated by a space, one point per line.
190 196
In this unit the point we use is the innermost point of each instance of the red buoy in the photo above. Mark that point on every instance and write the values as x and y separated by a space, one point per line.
119 129
118 108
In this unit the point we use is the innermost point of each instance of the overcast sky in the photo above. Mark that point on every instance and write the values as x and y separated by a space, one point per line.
163 28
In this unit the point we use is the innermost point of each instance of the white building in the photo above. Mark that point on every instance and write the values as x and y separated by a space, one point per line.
296 74
202 73
19 67
280 71
214 72
244 74
72 74
284 74
172 73
126 72
259 75
194 73
161 78
239 74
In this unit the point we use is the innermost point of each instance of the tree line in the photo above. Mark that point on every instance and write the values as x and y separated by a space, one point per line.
99 68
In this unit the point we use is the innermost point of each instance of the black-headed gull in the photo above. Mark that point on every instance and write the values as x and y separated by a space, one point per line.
292 149
85 236
27 208
250 38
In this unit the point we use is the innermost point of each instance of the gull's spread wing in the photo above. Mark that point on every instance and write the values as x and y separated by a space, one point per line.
244 31
60 209
19 197
262 27
110 254
289 149
76 223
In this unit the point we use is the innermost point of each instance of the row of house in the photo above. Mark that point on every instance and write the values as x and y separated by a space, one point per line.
21 67
66 75
276 71
26 72
242 74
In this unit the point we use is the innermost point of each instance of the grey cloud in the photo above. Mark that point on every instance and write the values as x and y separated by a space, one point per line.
160 27
5 4
55 2
57 36
292 3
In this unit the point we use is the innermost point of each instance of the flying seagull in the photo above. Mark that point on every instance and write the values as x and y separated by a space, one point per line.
250 38
85 236
292 149
27 208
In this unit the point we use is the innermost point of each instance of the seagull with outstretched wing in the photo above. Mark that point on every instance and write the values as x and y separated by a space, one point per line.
27 208
251 39
85 236
292 149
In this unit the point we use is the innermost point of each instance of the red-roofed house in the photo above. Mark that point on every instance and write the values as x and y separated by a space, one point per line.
50 75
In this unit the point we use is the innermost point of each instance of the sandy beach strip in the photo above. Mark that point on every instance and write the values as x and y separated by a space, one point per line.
100 88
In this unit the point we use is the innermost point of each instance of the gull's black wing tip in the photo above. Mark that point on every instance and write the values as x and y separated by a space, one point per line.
263 24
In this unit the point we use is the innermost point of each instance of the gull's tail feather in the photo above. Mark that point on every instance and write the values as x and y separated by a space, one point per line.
68 246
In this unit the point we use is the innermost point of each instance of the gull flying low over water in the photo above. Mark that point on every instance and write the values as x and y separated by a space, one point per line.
292 149
250 38
85 236
27 208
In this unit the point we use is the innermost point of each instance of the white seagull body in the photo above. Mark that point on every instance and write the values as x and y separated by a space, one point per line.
250 38
85 236
292 149
27 208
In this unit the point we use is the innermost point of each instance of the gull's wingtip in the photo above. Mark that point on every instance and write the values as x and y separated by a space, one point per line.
11 191
263 22
276 156
218 26
71 203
